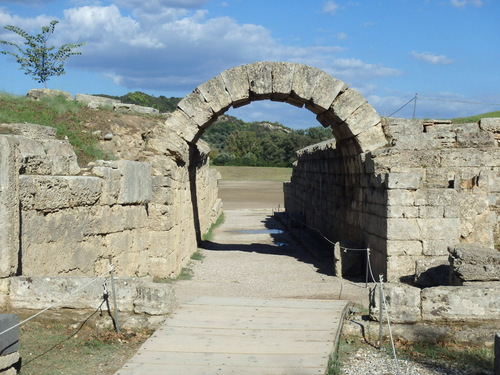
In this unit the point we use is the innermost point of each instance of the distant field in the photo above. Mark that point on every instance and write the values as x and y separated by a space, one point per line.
254 173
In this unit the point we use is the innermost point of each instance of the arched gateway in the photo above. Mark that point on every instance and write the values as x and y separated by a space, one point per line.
343 109
355 124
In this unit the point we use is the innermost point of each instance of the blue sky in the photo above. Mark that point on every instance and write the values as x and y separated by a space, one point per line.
446 51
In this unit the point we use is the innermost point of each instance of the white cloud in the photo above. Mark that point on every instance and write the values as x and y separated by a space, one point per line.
342 36
330 7
431 58
461 4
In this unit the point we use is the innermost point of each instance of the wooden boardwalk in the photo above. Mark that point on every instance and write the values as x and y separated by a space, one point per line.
221 335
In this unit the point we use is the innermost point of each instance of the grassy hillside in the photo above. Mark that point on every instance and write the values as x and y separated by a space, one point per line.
463 120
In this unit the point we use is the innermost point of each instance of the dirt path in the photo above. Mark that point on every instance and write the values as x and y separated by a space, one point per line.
251 256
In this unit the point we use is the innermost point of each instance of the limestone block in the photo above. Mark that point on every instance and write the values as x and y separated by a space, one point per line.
440 229
260 79
362 119
167 147
127 107
38 94
136 186
400 127
160 217
403 229
214 92
155 299
436 197
7 362
62 157
398 197
32 131
237 85
304 82
460 303
325 91
432 271
477 139
78 292
399 248
100 100
9 206
409 181
402 301
56 192
9 341
436 247
346 103
401 266
371 139
474 262
427 212
282 74
490 125
195 106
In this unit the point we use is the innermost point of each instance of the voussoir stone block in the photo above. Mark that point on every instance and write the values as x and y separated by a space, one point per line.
197 108
237 85
346 103
325 91
183 125
304 81
215 94
362 119
282 74
260 79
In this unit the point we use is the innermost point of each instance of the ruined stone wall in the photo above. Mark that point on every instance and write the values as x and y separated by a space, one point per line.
434 186
58 219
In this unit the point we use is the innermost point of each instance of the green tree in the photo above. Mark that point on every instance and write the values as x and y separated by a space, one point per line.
37 58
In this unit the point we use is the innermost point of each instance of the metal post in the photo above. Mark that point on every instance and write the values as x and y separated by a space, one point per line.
117 323
415 106
367 265
381 316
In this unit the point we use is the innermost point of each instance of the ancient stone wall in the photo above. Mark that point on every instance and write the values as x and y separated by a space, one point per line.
435 185
59 219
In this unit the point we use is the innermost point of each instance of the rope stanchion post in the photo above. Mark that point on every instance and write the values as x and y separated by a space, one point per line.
114 295
381 314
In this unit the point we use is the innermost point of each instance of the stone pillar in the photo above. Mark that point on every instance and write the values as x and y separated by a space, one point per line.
496 370
9 206
9 344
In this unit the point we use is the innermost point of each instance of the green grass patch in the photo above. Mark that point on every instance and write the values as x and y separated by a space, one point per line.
68 117
210 233
230 173
49 348
471 359
463 120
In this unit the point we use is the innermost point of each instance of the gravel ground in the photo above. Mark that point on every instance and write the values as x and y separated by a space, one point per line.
371 361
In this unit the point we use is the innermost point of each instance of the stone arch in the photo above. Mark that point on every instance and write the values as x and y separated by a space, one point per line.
345 110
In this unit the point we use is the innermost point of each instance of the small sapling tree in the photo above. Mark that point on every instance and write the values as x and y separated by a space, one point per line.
37 58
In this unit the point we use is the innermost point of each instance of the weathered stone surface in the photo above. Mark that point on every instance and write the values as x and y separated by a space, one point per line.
325 91
477 139
132 294
460 303
38 94
363 118
432 272
9 341
474 262
126 107
195 106
282 80
96 101
304 82
237 85
155 299
8 362
56 192
347 102
9 206
260 79
490 124
402 301
215 94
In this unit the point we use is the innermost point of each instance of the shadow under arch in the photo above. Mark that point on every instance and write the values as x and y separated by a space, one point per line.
355 124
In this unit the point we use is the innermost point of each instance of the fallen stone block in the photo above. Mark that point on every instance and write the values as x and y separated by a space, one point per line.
9 341
402 301
474 262
460 304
